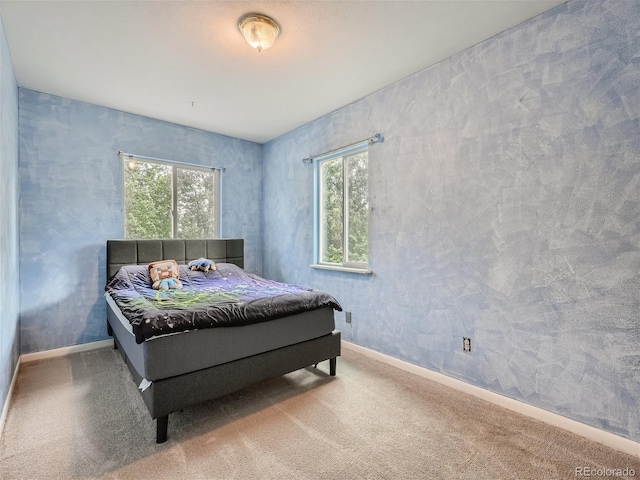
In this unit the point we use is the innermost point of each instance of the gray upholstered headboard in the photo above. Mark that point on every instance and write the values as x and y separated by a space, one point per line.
141 252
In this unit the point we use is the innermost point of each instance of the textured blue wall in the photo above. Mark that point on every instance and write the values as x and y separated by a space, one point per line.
71 203
504 207
9 273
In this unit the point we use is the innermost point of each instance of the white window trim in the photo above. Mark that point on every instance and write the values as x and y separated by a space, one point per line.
350 267
340 268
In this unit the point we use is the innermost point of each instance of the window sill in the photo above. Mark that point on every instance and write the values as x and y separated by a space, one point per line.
339 268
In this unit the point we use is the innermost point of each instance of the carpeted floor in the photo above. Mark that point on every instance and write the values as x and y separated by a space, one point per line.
81 417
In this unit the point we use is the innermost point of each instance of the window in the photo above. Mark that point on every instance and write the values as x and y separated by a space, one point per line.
342 226
170 201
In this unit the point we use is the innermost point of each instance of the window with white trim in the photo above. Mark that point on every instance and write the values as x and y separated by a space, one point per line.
342 213
170 201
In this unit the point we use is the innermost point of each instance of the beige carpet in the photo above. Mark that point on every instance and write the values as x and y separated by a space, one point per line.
81 417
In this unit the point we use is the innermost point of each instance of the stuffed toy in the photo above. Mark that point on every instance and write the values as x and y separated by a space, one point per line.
202 264
165 275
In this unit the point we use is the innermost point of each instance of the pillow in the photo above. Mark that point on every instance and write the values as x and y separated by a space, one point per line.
165 274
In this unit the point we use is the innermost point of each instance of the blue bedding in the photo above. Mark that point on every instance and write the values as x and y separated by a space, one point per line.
225 297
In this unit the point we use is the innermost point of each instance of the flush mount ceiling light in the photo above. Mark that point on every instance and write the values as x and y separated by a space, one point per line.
259 30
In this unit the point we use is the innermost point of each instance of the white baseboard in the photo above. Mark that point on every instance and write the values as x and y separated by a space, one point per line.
587 431
64 351
5 409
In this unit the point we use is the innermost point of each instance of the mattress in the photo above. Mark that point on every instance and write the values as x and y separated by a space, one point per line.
170 355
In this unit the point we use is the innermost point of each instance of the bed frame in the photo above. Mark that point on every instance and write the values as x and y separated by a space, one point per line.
171 394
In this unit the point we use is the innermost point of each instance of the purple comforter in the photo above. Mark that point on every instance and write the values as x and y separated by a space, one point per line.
225 297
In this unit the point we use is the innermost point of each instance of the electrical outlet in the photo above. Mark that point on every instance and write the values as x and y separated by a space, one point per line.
466 344
347 317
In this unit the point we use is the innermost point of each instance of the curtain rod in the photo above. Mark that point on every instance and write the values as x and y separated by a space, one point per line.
377 138
131 156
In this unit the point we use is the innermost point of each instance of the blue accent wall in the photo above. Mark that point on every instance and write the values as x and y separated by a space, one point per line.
505 207
71 203
9 273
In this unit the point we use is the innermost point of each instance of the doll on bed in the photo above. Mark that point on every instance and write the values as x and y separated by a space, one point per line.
203 264
165 275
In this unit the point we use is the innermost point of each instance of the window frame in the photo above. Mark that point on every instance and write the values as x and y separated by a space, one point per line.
345 265
174 192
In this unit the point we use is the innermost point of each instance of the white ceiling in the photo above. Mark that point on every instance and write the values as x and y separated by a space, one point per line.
154 58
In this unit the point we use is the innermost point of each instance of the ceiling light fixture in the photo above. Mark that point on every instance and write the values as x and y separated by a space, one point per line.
259 30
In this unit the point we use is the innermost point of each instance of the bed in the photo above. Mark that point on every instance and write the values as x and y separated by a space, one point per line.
196 362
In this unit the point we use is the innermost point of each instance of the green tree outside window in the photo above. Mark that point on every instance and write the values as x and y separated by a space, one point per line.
344 210
168 201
